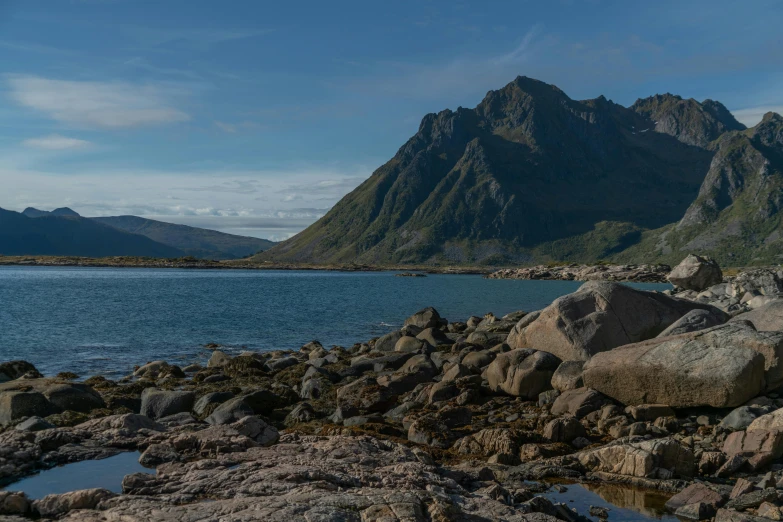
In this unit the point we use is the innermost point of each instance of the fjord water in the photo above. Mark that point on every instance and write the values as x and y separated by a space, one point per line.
105 320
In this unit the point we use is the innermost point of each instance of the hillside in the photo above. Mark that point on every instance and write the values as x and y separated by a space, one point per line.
196 242
736 216
528 175
73 236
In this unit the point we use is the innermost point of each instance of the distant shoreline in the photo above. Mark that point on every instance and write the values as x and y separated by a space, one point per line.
202 264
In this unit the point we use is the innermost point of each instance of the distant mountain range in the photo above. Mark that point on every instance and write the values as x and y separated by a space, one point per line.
531 175
63 232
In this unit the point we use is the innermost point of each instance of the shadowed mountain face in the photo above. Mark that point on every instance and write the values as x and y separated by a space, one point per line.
35 213
736 217
197 242
529 174
68 235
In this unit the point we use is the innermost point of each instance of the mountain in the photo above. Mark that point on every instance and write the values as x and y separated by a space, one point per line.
196 242
35 213
68 235
736 217
689 121
528 175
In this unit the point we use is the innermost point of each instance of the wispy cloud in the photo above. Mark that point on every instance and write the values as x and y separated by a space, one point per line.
233 128
96 104
752 115
56 142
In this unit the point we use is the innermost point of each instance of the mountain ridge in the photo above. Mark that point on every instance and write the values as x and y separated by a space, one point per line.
527 168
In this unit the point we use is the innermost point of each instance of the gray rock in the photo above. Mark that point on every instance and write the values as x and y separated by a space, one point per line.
15 405
282 363
568 376
578 402
598 317
256 429
740 418
218 359
696 273
522 373
426 318
54 505
206 401
765 318
434 337
230 411
564 429
693 321
157 454
719 367
15 369
386 343
159 403
409 344
34 424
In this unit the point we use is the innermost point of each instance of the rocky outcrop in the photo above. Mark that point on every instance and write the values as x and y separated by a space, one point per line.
598 317
574 272
661 459
722 367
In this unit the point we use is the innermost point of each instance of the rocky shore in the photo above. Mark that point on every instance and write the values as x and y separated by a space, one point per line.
576 272
440 420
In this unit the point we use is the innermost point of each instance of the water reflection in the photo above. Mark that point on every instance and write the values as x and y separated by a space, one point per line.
625 503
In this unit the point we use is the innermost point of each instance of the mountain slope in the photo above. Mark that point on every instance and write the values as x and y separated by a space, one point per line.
736 217
512 180
73 236
196 242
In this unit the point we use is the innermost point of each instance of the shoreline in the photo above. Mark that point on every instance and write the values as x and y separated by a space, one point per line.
456 419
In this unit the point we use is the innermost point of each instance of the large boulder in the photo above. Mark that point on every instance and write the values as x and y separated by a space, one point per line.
696 273
659 459
721 367
598 317
159 403
522 373
767 318
568 376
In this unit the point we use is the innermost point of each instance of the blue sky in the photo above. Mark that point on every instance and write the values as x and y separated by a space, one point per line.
255 117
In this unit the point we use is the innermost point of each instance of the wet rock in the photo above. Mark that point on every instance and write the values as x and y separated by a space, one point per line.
598 317
159 403
282 363
157 454
696 273
15 369
54 505
522 373
578 402
720 367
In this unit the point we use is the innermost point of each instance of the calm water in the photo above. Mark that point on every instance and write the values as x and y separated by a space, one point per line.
105 473
103 320
625 503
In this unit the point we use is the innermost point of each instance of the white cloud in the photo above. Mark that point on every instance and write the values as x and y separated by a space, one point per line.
56 142
230 201
752 115
96 104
